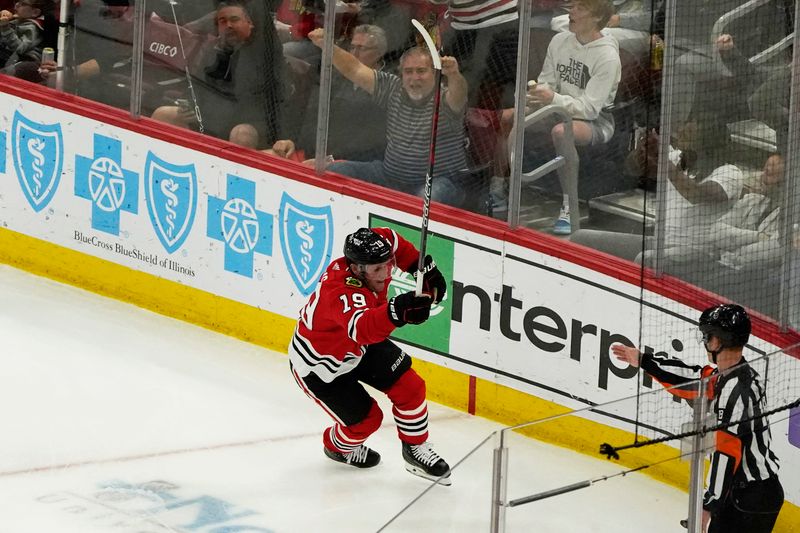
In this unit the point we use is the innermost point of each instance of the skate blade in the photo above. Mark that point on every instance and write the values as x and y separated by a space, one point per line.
446 481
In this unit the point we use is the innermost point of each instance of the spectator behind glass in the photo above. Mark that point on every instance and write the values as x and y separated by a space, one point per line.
695 199
22 32
101 53
357 125
240 84
747 236
629 25
409 110
581 73
698 76
393 16
299 17
395 20
769 88
747 244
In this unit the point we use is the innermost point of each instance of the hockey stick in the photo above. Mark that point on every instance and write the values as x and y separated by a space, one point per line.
190 86
611 451
582 484
426 201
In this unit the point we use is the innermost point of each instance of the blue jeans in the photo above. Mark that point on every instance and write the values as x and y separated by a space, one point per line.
443 189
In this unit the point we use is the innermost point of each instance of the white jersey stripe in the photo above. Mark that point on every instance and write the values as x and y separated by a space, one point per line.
423 424
352 327
341 437
422 407
310 357
327 368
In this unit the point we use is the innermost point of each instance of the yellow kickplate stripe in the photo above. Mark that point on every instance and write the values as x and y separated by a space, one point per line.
511 407
146 290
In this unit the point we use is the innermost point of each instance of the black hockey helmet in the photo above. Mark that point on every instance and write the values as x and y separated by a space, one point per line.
728 322
365 247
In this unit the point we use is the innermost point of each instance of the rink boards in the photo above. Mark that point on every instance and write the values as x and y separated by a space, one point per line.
187 227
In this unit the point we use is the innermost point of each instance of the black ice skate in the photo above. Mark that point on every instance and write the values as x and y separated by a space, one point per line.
424 462
361 457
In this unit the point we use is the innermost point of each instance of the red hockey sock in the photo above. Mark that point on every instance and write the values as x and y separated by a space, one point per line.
409 407
344 439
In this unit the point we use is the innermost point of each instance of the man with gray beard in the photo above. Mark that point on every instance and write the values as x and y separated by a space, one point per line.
408 101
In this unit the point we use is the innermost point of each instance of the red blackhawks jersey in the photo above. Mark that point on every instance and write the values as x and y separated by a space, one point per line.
343 316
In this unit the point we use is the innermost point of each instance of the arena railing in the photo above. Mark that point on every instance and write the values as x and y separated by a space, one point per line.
513 480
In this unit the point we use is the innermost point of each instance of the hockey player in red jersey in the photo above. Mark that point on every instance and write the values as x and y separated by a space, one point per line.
341 341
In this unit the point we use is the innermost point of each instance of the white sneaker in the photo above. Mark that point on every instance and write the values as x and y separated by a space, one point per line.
562 225
498 193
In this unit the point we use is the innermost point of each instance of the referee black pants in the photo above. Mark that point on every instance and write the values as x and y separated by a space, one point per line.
750 508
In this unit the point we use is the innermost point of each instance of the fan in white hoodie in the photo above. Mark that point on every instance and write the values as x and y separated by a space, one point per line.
580 73
584 79
630 26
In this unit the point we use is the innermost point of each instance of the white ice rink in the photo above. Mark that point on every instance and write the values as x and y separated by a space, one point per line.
116 419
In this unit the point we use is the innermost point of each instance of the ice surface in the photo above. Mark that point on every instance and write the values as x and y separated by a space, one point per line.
116 419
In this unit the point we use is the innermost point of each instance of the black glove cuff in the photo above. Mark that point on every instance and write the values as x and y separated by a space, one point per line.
394 316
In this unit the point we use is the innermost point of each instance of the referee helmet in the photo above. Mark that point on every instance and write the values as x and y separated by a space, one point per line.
728 322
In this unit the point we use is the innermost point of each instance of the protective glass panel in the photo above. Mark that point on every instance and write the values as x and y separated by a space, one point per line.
435 508
729 67
584 154
216 68
371 35
383 104
97 56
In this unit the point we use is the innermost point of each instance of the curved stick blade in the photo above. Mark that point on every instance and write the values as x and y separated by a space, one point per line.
437 61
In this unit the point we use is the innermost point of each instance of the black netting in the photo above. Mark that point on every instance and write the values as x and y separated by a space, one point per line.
679 113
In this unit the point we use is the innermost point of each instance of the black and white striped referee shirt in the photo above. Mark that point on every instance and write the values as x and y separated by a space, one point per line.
742 453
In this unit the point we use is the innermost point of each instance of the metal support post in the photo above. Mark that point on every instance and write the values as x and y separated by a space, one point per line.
325 83
499 486
137 57
699 443
788 302
664 168
517 136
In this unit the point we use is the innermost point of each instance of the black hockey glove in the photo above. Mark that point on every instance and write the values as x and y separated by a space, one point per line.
408 308
433 281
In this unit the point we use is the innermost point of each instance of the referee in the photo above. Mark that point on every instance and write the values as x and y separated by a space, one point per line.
743 492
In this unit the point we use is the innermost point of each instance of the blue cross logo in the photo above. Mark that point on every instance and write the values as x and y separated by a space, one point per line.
102 180
236 222
2 152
